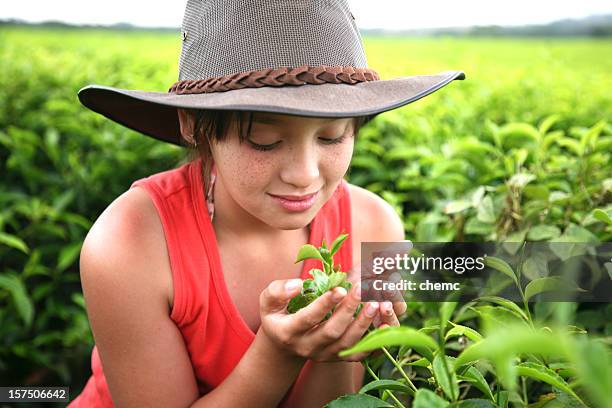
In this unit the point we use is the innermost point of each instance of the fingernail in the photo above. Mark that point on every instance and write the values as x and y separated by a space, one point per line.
388 308
357 290
338 293
371 309
292 284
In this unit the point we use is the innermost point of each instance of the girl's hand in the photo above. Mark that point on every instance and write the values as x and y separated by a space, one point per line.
304 333
391 303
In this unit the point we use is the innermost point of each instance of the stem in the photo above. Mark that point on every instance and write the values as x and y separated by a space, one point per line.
399 367
373 374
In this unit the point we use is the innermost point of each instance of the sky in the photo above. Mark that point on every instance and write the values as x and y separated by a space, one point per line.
386 14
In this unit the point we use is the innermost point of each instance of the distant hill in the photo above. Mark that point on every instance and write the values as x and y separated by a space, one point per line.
593 26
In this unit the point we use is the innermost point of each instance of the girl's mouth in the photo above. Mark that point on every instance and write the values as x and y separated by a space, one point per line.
296 203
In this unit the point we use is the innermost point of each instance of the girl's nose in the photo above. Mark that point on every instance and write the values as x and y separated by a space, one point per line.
301 168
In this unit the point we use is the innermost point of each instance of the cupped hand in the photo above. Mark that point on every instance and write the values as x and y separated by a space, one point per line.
305 333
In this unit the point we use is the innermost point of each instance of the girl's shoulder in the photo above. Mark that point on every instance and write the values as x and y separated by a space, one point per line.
129 231
373 218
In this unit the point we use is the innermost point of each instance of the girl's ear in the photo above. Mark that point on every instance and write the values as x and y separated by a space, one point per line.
187 124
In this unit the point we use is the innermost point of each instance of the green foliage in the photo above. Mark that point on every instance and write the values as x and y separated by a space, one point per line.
322 280
520 150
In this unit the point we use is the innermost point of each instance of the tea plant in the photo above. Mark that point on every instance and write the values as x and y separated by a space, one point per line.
513 360
322 280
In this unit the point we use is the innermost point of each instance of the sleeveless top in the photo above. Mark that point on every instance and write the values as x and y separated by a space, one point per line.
215 334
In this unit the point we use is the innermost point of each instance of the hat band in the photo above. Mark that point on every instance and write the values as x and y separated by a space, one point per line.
301 75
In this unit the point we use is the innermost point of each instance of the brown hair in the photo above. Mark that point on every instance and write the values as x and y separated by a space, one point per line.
212 125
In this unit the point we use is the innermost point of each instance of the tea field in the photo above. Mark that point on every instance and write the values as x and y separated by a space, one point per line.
518 151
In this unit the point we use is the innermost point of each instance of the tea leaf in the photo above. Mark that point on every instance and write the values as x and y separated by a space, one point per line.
543 232
545 374
358 401
593 363
391 336
13 285
446 376
386 385
14 242
321 281
300 301
550 284
308 251
502 266
336 278
505 303
514 341
425 398
459 330
338 243
475 377
474 403
602 216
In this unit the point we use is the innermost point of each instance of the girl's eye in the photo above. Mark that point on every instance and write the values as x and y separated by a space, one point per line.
333 141
262 147
268 147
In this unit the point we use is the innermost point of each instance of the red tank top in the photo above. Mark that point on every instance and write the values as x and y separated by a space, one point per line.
215 334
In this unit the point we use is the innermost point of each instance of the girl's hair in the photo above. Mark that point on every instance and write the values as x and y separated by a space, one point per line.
212 125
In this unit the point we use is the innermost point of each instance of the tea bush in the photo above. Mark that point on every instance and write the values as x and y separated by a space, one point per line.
520 150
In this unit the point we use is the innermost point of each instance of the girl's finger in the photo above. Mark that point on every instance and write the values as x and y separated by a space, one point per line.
310 316
277 294
342 316
399 308
359 326
387 315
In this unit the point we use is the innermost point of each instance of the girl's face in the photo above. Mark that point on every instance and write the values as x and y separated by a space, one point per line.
285 170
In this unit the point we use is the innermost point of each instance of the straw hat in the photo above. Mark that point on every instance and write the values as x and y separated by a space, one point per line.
298 57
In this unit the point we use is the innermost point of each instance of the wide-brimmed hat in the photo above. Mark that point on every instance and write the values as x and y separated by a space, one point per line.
298 57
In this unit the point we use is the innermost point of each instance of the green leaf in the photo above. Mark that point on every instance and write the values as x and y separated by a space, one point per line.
459 330
545 374
68 255
336 278
308 251
454 207
25 309
391 336
446 377
386 385
14 242
502 399
300 301
358 401
425 398
543 232
474 403
475 377
602 216
502 266
486 212
446 311
547 123
338 243
506 304
594 367
321 281
550 284
514 341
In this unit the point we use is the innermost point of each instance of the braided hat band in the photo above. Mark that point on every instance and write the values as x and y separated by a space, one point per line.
301 75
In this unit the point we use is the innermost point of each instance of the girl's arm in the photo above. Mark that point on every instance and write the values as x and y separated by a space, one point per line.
142 351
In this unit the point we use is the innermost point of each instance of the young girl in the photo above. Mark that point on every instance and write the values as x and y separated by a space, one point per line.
187 275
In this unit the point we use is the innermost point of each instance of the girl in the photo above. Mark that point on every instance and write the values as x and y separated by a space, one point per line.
188 274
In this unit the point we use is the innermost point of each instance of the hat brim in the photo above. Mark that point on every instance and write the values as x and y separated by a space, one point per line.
154 113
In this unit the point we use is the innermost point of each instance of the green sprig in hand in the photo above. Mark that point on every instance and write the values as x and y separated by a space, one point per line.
323 280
